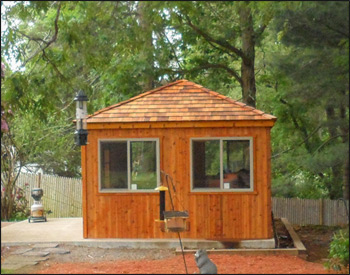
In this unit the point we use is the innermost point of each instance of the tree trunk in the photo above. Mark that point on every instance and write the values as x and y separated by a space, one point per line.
248 49
344 129
336 169
346 179
147 47
331 119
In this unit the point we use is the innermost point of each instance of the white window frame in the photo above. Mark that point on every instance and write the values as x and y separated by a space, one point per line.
221 189
127 190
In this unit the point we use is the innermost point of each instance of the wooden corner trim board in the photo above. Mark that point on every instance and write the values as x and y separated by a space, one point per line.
185 124
84 191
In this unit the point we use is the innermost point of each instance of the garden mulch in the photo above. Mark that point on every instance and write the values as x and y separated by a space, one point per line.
88 260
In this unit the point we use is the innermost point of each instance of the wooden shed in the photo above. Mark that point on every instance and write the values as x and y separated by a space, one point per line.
215 149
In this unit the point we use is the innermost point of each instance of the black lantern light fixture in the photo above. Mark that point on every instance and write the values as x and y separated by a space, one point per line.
81 114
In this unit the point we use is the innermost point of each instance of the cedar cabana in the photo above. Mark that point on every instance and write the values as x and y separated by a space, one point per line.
216 150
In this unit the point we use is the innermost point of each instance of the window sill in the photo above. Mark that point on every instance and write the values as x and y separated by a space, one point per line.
222 192
126 193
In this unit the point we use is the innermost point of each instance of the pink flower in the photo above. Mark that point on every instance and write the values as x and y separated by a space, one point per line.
4 126
2 70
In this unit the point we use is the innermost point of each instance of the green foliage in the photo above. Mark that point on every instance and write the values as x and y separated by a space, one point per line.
100 48
19 204
7 271
300 184
21 207
20 216
116 50
309 87
55 155
338 258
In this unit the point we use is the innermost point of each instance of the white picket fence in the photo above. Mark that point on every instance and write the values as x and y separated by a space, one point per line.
63 196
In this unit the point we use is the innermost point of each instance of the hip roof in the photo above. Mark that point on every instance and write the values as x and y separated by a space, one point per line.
181 100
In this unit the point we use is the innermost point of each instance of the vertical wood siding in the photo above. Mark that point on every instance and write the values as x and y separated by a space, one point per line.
212 215
297 211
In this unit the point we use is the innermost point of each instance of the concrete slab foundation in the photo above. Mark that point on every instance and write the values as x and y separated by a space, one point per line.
70 231
266 243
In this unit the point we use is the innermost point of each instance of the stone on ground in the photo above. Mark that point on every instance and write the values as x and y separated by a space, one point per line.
36 253
57 251
45 245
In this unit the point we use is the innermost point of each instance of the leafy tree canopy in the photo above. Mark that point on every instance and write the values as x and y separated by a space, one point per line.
287 58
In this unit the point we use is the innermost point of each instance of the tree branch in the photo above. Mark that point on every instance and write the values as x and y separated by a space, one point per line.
53 65
301 128
48 43
338 31
208 66
235 57
222 66
36 39
260 31
221 43
171 47
293 148
328 140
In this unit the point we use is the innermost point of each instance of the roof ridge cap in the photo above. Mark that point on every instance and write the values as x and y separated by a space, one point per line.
135 97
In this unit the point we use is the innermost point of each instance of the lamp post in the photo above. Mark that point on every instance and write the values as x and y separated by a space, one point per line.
81 114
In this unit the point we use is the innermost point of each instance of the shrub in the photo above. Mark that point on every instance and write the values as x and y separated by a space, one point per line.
338 258
19 204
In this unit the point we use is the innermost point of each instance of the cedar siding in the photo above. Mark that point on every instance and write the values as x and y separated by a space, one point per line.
179 114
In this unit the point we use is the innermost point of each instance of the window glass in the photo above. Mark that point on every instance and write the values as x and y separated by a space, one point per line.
143 164
206 163
128 164
114 168
236 164
230 155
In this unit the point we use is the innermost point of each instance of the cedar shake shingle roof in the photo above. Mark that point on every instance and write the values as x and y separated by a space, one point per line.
181 100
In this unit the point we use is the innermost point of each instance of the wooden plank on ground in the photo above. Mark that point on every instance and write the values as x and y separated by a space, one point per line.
296 240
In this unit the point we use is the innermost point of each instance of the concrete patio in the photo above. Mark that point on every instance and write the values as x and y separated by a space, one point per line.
70 231
54 230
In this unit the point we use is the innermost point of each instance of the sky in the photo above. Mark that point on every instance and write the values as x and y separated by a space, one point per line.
15 66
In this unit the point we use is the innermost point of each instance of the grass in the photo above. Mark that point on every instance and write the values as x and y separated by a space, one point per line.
7 271
145 180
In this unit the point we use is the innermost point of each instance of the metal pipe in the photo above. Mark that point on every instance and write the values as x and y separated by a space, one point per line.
161 205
